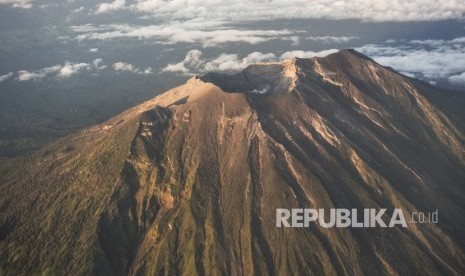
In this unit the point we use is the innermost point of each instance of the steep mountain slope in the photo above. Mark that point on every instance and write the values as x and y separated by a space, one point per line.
189 182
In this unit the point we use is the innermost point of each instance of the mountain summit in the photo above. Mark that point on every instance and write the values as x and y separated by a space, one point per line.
189 182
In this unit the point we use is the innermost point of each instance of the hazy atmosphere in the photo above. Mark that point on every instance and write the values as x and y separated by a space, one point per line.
214 137
71 64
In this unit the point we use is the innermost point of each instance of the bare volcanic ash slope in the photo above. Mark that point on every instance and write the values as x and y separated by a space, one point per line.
188 183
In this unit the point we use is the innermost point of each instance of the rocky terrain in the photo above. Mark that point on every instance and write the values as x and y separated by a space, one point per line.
188 183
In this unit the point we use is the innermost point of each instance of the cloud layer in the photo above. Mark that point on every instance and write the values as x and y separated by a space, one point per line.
370 10
193 63
6 76
457 79
59 71
332 39
23 4
69 69
431 60
126 67
205 33
110 7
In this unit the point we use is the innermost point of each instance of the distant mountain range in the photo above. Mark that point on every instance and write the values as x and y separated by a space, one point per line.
188 183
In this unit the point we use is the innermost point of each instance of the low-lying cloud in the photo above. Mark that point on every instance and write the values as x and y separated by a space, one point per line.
98 64
68 69
23 4
208 35
64 71
430 60
193 63
110 7
368 10
457 79
306 54
6 77
59 71
332 39
127 67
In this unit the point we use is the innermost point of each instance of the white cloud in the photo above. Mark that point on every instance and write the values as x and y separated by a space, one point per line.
427 59
110 7
206 33
6 77
458 40
121 66
193 63
371 10
306 54
332 39
24 75
23 4
59 71
265 90
70 69
98 64
430 60
231 62
217 37
78 10
457 79
126 67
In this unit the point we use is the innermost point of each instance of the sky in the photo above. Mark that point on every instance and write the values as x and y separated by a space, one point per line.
156 44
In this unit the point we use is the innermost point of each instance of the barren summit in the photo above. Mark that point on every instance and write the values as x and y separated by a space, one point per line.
188 183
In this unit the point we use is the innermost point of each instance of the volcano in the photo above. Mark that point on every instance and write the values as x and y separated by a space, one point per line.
188 183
